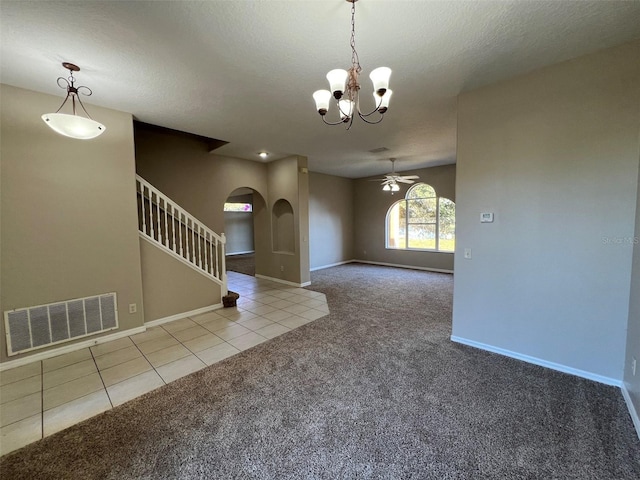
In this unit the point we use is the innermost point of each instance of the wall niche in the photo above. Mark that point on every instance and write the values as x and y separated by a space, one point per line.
283 231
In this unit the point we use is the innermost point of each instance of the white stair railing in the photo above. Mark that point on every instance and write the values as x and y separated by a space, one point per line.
169 226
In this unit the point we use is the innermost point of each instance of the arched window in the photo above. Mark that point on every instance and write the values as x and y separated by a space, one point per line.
422 221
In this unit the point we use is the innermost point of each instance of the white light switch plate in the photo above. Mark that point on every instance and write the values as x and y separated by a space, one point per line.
467 253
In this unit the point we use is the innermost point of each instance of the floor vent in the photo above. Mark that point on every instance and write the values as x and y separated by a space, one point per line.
37 327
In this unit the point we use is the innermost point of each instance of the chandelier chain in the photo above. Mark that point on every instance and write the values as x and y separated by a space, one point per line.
355 61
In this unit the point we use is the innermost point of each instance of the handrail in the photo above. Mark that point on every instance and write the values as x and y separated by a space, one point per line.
171 227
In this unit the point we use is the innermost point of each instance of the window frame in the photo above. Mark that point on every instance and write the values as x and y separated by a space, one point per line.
406 201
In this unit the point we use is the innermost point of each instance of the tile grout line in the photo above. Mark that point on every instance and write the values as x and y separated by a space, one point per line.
100 375
191 351
151 364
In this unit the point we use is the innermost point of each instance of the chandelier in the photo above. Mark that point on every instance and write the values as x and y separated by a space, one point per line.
345 88
73 125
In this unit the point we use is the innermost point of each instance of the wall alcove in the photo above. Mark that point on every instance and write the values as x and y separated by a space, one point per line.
282 227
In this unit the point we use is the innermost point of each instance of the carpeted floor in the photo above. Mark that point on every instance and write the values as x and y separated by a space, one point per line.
244 263
374 390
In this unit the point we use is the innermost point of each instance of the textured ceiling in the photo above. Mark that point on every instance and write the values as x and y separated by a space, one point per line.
244 71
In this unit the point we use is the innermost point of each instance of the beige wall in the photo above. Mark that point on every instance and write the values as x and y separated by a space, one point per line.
371 205
287 180
554 154
330 219
632 382
181 167
170 287
69 219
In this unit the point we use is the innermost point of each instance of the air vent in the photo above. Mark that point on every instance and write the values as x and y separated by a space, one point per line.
379 150
44 325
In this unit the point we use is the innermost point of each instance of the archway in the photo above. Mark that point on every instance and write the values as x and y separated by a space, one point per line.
242 230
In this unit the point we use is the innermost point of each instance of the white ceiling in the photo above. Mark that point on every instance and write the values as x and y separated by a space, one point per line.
244 71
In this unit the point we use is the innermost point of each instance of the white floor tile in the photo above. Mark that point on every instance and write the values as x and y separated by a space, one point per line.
167 355
20 409
215 354
67 392
204 342
20 373
68 373
19 434
273 330
112 346
134 387
67 359
174 370
20 389
247 341
231 331
121 372
117 357
74 412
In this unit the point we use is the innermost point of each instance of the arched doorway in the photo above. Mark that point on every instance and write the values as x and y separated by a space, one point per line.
242 212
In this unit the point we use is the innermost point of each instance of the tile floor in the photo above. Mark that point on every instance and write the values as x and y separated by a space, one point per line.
44 397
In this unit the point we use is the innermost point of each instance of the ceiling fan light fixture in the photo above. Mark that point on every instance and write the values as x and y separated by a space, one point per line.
73 125
395 187
345 87
386 187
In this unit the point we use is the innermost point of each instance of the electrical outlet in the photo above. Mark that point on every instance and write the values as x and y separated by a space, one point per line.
633 366
364 251
282 268
467 253
133 308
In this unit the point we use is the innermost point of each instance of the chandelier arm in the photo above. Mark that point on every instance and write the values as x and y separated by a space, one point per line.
331 123
349 123
363 118
63 102
377 109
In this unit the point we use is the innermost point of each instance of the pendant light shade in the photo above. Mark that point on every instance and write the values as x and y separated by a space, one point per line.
73 125
322 98
380 78
337 81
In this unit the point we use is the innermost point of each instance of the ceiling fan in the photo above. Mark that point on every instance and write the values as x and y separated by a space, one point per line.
391 180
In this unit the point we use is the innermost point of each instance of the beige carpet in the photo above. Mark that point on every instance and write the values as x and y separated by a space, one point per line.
375 390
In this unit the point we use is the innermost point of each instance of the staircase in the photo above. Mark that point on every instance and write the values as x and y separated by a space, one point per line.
164 223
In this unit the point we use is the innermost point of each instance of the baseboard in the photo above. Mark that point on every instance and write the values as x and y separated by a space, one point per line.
331 265
397 265
178 316
538 361
231 254
69 348
632 409
285 282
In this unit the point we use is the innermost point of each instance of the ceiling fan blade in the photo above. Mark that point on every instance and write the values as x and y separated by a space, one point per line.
410 177
404 180
378 179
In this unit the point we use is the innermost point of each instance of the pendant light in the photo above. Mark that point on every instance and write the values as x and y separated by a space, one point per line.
73 125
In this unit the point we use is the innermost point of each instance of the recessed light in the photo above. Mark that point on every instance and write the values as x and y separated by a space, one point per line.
263 155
